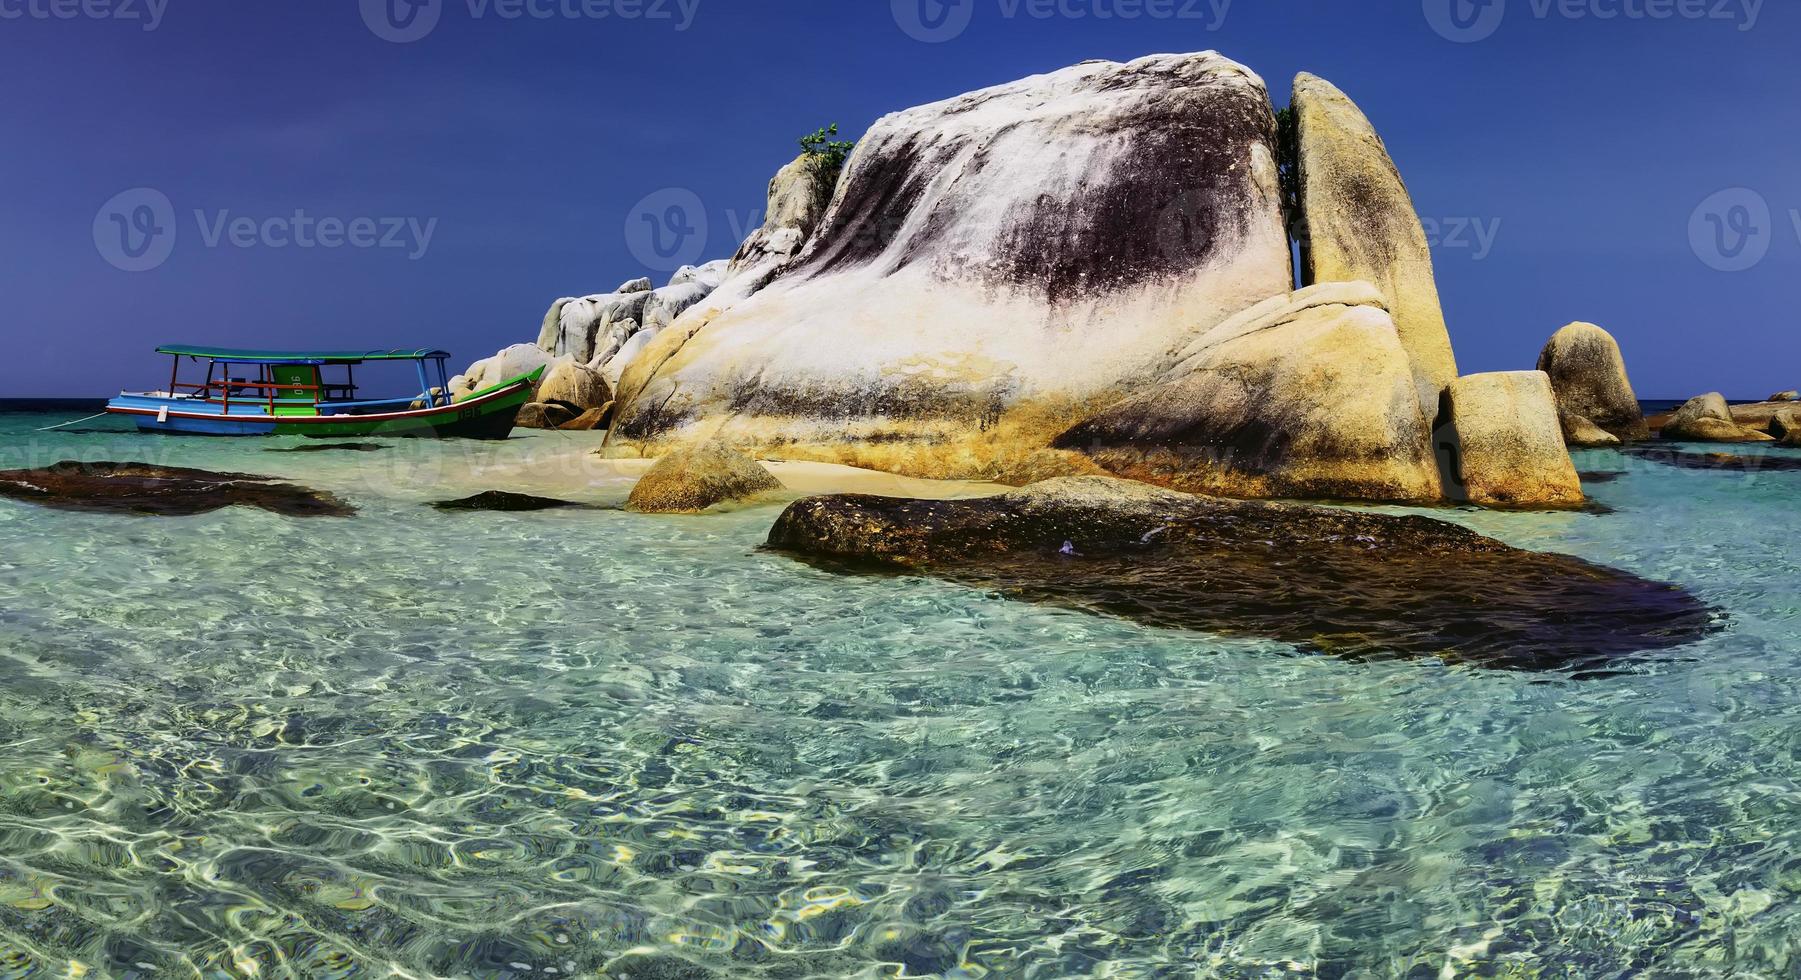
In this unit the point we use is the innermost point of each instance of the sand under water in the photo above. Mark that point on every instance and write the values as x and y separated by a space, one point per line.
555 743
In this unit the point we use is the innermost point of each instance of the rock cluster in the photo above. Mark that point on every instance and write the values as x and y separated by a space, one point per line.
1092 266
1707 418
587 342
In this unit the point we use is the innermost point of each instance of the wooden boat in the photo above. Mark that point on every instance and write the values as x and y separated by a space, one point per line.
291 395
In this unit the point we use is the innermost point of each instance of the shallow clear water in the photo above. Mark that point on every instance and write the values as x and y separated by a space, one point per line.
423 744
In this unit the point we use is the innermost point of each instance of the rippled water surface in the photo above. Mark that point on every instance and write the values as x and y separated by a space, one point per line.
572 743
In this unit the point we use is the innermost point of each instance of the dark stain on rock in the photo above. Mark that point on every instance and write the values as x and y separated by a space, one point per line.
883 189
975 404
1166 430
653 412
162 491
1176 193
1354 584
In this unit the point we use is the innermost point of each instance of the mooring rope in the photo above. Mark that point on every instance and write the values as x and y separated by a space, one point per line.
65 425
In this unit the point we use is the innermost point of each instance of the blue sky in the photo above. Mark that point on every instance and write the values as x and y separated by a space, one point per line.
1630 162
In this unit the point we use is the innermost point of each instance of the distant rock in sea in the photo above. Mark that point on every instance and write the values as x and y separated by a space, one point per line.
1707 418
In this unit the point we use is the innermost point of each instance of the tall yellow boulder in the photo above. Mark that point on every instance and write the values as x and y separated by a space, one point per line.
1360 224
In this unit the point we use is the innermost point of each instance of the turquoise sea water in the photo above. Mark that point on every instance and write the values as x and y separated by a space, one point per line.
574 743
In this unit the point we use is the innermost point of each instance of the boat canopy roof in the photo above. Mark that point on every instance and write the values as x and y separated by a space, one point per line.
235 356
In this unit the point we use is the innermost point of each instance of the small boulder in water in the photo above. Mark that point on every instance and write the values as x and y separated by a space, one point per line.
162 491
689 481
1718 462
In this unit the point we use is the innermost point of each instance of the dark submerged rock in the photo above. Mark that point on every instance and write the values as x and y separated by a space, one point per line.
501 500
332 447
1345 582
1723 462
162 491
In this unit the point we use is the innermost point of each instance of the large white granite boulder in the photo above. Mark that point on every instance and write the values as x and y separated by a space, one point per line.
991 269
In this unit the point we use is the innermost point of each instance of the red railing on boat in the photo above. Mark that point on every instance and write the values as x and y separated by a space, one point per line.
227 388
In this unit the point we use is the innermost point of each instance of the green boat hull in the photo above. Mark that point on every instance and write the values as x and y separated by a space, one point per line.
489 414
